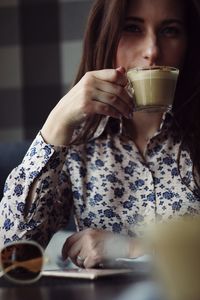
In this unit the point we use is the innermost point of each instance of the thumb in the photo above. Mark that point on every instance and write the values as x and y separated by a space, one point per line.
121 70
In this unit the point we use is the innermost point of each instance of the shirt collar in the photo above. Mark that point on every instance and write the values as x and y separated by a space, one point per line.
165 123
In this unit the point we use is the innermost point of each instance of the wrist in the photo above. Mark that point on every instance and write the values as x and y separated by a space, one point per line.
56 133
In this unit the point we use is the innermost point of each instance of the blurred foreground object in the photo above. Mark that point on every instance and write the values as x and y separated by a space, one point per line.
177 257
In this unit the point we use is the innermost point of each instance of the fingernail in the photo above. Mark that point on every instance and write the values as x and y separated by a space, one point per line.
121 69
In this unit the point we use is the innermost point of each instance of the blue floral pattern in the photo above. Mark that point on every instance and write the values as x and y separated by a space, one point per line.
109 184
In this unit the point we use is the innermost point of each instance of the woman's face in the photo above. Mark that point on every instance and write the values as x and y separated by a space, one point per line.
154 34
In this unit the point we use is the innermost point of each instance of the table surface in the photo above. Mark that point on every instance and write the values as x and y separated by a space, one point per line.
47 288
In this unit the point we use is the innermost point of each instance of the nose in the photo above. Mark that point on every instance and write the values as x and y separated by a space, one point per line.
151 50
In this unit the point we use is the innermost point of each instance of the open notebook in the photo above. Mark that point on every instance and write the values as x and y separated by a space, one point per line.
85 273
119 266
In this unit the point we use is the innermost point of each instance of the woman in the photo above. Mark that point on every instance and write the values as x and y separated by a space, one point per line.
118 169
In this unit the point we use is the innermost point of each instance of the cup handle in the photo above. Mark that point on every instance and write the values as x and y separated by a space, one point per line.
131 92
129 88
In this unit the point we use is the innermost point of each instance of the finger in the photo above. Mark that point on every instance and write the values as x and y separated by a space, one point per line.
111 75
116 90
76 237
92 261
103 109
80 261
122 71
113 101
70 241
74 251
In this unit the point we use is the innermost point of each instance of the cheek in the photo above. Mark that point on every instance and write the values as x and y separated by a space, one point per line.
119 59
125 53
178 53
120 54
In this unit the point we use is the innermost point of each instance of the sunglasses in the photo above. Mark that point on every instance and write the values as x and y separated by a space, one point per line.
22 261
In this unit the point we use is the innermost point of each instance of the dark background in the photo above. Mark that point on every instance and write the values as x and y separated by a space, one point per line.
40 49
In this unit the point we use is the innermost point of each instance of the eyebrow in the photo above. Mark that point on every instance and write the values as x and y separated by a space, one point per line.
164 22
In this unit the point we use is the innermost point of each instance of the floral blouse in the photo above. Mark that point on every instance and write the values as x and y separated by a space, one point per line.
106 182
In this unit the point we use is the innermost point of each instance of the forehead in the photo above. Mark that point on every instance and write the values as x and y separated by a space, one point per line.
157 8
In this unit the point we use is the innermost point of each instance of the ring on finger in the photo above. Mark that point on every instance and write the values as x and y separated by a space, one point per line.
80 260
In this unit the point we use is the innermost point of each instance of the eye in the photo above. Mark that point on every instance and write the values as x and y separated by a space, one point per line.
132 28
170 31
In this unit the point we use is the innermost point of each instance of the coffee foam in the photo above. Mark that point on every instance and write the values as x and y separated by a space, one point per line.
153 87
148 74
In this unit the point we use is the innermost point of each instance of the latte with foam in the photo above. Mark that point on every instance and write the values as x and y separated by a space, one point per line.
153 87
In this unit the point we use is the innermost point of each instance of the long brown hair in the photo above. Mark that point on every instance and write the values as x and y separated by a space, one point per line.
103 31
186 106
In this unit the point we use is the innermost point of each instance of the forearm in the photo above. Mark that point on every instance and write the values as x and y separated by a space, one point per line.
55 131
39 180
45 216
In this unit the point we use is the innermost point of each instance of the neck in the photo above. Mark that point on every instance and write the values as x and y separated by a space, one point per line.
142 128
146 124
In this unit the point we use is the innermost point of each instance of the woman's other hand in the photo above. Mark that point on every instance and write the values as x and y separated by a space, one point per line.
98 92
90 247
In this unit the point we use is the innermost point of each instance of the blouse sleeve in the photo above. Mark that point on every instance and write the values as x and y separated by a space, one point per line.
50 208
